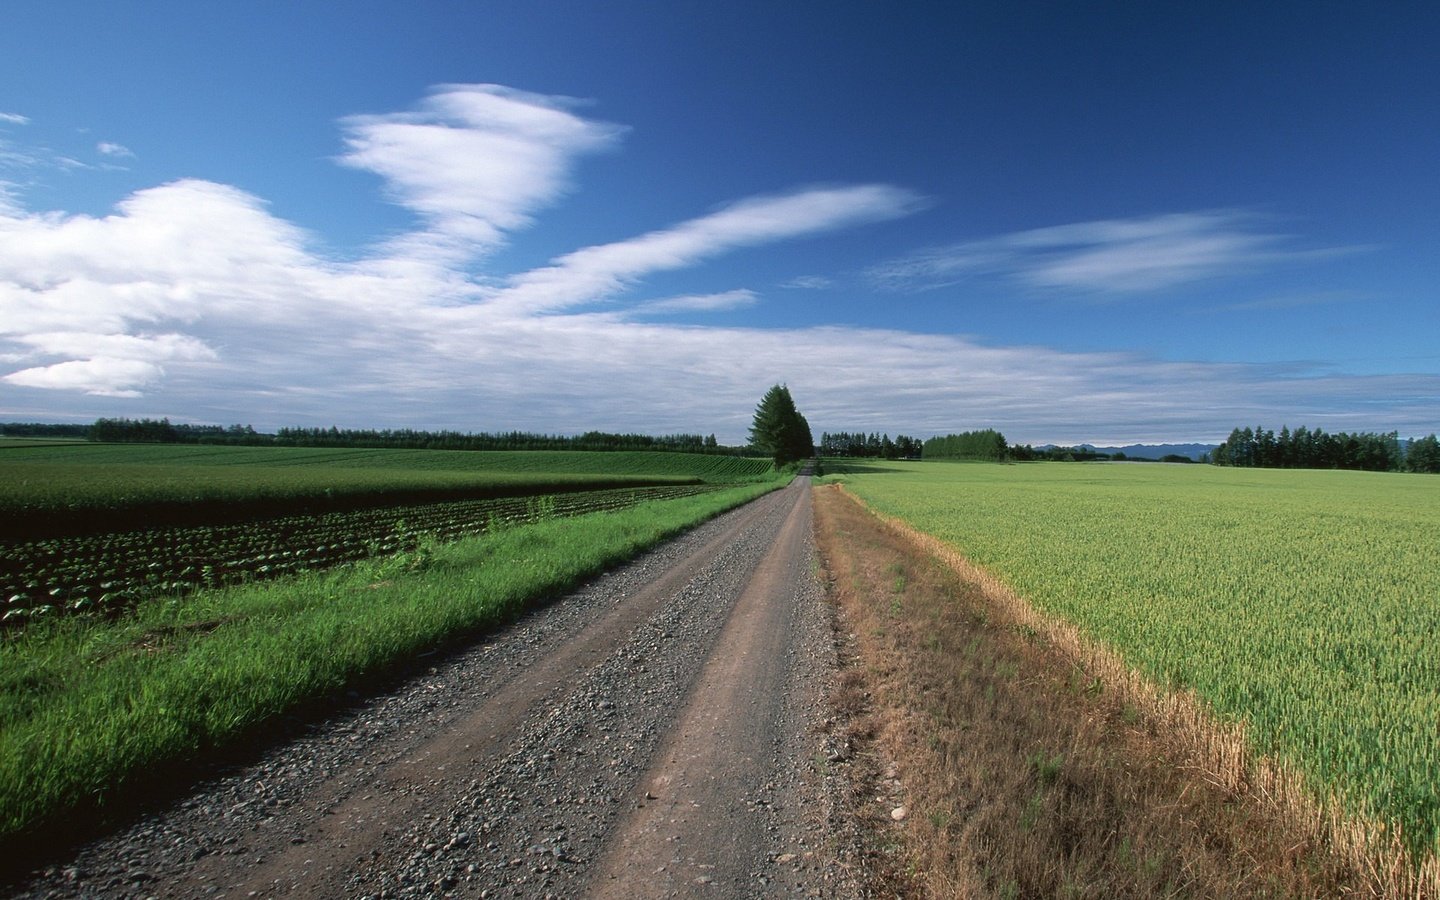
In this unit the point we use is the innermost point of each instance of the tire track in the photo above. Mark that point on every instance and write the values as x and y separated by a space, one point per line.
705 820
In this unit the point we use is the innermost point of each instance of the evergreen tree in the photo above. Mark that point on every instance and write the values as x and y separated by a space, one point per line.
1423 455
779 429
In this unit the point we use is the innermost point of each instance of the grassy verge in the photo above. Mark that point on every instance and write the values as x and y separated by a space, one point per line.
88 708
1014 770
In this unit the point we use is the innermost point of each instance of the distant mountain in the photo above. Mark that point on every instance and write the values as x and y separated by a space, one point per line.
1155 451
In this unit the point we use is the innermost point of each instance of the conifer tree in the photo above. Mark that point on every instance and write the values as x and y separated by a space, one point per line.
779 429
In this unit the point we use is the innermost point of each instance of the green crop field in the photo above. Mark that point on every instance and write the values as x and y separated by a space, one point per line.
1303 603
55 488
633 462
96 528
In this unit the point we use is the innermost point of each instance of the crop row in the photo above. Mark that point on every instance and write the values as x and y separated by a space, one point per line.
108 573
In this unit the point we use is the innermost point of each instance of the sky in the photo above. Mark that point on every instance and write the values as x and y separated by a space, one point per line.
1108 222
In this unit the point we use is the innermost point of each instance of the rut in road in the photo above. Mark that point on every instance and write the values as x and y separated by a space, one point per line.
655 733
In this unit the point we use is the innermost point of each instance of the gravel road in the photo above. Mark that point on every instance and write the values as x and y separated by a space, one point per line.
661 731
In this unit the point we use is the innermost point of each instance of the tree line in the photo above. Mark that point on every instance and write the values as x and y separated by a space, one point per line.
1306 448
163 431
780 431
988 444
44 430
406 438
869 446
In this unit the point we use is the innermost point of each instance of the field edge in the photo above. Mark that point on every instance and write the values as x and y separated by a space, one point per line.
1219 748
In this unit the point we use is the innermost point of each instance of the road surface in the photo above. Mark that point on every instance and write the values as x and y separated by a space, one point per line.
659 732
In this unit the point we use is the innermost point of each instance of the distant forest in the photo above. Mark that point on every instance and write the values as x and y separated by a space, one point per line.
869 446
163 431
1305 448
988 444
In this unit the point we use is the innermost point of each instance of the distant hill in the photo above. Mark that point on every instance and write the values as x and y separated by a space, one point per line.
1155 451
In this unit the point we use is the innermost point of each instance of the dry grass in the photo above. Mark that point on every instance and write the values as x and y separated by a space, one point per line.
1025 771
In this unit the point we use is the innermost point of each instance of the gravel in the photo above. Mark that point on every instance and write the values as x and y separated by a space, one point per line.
479 777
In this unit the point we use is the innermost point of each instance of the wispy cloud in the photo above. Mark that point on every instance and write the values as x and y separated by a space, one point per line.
192 299
15 158
473 162
14 119
1290 301
738 299
109 148
1114 256
808 283
29 159
601 271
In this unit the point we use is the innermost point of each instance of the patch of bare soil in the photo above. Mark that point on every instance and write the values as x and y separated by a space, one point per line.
997 767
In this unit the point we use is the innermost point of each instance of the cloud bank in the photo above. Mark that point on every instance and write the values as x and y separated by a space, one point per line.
192 300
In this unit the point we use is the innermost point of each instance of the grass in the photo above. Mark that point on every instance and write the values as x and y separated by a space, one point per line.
1020 781
88 708
1299 606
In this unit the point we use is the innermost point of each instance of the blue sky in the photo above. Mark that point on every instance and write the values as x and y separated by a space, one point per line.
1105 222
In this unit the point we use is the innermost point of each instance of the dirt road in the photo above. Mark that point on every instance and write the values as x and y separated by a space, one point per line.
657 733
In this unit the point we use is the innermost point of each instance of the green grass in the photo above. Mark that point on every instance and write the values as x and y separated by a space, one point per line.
87 708
1305 603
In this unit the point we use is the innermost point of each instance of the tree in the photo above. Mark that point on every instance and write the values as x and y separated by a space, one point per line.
988 444
1424 455
779 429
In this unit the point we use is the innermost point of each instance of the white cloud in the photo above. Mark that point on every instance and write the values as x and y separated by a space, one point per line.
596 272
119 346
101 376
1116 256
192 299
109 148
14 119
9 199
808 283
473 161
15 157
727 300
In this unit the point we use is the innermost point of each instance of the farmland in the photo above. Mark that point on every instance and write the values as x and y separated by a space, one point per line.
65 489
97 527
1301 604
183 672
